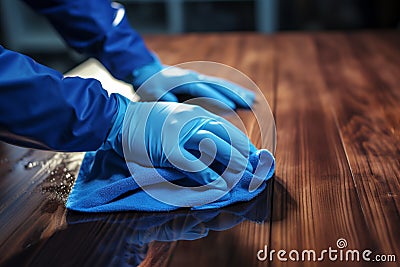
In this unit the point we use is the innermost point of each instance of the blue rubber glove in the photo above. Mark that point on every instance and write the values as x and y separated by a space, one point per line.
173 81
185 137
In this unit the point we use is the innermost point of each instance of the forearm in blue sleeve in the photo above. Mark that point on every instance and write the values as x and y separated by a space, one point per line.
39 108
100 29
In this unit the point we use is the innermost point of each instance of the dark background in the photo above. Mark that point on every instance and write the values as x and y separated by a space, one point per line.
25 32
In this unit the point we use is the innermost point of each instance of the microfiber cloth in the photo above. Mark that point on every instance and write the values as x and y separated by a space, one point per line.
105 184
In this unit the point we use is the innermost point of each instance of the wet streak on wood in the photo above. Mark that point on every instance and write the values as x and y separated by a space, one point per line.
336 100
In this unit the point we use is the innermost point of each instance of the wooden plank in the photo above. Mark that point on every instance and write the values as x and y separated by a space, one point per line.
311 160
32 198
364 92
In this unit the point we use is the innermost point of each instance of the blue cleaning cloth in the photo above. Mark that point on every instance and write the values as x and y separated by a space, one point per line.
105 184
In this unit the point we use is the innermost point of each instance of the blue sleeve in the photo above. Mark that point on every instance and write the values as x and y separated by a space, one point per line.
99 29
39 108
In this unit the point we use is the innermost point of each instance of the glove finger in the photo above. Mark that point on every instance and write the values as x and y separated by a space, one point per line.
232 135
168 97
212 147
241 96
197 89
195 169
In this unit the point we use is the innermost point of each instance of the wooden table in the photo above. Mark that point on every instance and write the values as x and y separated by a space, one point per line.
335 98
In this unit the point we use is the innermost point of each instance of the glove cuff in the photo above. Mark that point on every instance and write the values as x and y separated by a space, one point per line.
140 75
114 136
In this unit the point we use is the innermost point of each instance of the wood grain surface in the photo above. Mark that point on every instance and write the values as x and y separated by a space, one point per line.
335 98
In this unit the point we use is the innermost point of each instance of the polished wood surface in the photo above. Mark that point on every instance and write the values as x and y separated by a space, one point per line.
335 98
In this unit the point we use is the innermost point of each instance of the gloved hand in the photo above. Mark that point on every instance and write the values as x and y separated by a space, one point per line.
185 137
173 81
